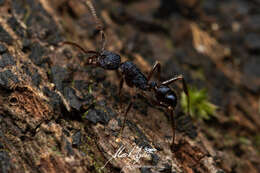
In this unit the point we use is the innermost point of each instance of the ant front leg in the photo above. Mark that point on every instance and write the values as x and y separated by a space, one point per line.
157 66
184 86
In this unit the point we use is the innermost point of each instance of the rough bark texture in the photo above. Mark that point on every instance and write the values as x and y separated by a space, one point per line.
57 115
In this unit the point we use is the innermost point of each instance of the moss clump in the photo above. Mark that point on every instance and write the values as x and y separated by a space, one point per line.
257 141
245 141
200 106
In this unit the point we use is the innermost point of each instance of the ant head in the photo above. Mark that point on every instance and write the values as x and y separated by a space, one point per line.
109 60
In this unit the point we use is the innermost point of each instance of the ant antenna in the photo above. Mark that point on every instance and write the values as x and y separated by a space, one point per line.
79 47
99 24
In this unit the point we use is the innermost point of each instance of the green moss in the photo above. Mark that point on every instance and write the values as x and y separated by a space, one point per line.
73 83
98 166
200 106
243 140
5 150
84 116
90 89
85 147
49 72
54 148
257 141
89 149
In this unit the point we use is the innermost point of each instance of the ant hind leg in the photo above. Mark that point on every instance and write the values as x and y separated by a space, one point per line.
173 127
125 118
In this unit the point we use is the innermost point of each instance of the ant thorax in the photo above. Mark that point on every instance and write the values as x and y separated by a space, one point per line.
133 76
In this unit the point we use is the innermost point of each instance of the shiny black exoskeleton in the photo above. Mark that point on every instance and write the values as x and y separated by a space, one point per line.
109 60
135 78
165 95
132 75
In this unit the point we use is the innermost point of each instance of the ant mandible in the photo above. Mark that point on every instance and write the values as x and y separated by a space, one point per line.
132 75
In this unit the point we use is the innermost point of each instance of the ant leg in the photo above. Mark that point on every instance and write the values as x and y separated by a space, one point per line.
125 117
103 40
120 86
157 66
172 119
173 126
179 77
184 86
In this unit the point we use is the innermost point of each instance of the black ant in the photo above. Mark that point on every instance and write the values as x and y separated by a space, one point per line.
133 76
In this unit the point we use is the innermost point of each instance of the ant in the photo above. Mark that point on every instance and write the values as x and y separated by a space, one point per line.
133 77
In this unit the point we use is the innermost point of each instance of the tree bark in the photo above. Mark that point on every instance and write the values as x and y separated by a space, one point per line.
57 115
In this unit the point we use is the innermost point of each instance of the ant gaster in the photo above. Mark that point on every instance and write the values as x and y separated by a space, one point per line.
132 75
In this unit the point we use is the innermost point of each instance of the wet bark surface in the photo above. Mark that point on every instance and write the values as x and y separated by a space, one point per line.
59 115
